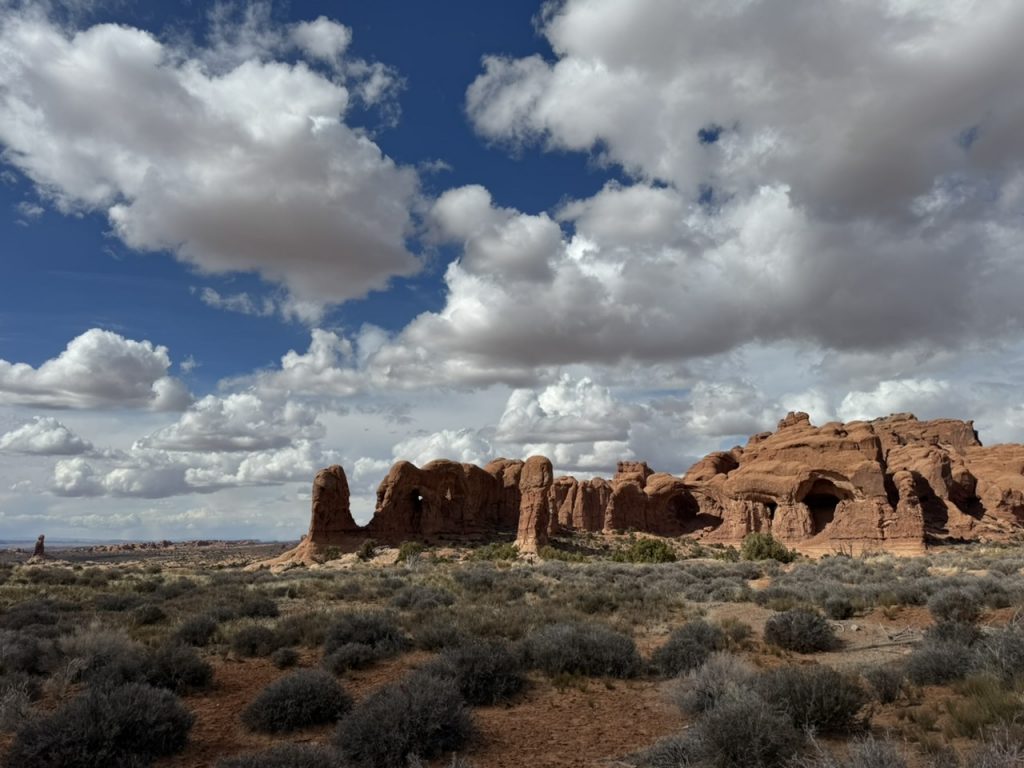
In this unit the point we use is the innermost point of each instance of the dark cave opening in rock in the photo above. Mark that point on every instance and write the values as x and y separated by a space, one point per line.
770 507
685 516
821 500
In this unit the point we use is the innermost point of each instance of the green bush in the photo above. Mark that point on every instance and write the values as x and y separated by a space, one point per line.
419 715
128 725
297 700
646 551
410 551
763 546
367 550
581 649
800 630
494 551
688 647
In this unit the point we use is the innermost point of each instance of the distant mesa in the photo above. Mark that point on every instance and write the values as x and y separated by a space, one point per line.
895 484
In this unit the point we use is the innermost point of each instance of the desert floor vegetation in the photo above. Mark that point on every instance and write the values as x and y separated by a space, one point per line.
614 651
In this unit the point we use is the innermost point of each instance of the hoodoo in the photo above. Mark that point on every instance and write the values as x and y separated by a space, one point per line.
893 484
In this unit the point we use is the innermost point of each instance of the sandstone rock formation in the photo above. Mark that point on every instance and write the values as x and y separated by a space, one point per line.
895 483
40 550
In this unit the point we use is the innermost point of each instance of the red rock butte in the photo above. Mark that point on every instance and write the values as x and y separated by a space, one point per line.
895 484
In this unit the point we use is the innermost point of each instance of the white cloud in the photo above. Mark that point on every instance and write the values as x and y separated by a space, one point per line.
44 436
246 168
462 445
242 421
242 302
322 39
99 369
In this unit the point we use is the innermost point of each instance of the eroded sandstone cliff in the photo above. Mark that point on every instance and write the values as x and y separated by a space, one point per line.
895 483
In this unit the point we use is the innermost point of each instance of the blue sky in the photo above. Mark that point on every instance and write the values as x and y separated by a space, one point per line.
244 240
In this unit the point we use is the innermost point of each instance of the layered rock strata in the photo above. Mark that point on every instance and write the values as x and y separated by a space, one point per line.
893 484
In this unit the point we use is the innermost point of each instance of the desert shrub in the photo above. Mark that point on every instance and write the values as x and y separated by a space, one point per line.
494 551
284 756
127 725
257 607
438 630
678 751
104 657
420 714
117 602
955 604
723 674
380 630
688 647
477 579
1002 654
24 652
862 752
350 656
937 662
581 649
419 597
816 697
174 589
284 658
484 671
17 692
197 630
646 551
763 546
986 703
255 640
997 750
178 668
838 607
800 630
410 551
302 698
549 553
743 731
886 681
305 629
958 632
148 614
367 550
30 614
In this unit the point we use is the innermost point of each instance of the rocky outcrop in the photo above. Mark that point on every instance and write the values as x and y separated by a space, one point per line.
40 549
895 483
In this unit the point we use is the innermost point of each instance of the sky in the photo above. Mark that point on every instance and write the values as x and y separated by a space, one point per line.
242 241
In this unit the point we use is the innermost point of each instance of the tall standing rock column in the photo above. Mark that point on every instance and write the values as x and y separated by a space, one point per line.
332 516
534 504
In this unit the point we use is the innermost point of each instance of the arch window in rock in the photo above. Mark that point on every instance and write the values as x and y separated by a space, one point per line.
821 500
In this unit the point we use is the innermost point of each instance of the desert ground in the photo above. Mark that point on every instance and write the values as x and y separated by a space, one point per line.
603 651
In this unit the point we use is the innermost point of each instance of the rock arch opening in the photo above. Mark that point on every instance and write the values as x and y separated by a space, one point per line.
417 507
821 501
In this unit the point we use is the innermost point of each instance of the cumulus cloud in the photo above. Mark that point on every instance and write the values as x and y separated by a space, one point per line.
240 164
99 369
242 421
462 445
842 183
44 436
